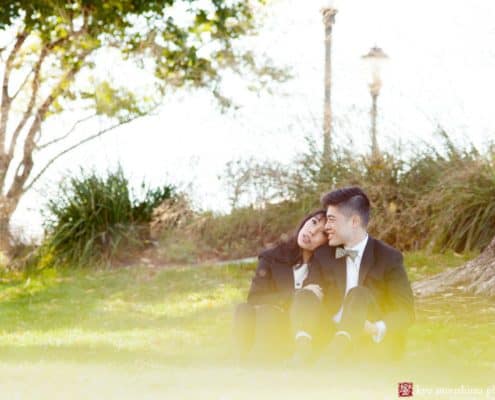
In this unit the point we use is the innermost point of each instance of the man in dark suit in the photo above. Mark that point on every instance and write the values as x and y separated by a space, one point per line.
367 294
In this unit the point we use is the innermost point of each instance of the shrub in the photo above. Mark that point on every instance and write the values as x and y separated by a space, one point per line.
92 217
461 207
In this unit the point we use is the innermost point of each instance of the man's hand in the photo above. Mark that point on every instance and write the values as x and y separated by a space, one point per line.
316 289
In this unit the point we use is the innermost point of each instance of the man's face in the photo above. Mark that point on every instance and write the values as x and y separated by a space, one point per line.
339 227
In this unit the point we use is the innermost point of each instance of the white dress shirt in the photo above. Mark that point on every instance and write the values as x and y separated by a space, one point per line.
300 274
352 280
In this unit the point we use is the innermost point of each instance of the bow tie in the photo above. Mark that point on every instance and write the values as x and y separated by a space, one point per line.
341 252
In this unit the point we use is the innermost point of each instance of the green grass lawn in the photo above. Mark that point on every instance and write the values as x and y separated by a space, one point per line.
165 333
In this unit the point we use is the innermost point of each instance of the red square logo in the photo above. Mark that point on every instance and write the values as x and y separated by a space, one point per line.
405 389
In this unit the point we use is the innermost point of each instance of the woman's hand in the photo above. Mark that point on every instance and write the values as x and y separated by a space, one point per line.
316 289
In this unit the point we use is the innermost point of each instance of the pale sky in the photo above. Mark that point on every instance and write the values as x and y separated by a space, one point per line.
441 71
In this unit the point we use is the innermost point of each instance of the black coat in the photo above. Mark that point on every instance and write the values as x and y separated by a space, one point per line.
381 270
273 282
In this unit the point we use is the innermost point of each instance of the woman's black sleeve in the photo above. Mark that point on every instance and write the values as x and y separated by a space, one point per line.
262 290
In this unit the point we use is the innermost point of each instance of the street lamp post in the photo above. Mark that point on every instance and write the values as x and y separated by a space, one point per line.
375 59
328 11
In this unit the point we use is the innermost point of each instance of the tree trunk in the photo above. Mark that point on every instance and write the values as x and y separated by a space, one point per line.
476 276
5 238
7 208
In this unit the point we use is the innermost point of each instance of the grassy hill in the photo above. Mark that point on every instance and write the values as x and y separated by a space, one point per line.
142 332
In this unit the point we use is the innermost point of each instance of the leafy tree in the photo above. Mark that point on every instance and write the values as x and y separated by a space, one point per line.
50 57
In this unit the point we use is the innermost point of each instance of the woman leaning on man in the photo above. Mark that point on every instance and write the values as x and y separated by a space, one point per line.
284 303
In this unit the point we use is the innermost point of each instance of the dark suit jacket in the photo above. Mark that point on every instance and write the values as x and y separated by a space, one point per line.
381 270
273 282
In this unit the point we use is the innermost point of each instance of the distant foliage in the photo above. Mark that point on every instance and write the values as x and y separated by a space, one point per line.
253 183
437 199
93 216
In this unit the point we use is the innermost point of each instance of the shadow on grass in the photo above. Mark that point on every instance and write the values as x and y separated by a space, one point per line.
106 354
117 300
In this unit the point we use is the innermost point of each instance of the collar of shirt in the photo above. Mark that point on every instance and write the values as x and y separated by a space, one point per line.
359 247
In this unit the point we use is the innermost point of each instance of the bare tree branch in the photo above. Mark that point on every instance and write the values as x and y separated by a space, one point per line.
66 135
6 101
21 86
26 164
35 88
36 83
29 108
78 144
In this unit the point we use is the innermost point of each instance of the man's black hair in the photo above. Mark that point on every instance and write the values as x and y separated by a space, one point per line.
349 200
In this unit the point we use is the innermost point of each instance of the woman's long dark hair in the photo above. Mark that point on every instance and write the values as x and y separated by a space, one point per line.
288 251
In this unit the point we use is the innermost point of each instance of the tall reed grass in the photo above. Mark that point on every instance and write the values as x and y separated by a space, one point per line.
437 199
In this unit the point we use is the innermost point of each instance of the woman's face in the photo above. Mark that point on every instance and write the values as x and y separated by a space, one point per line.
312 233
